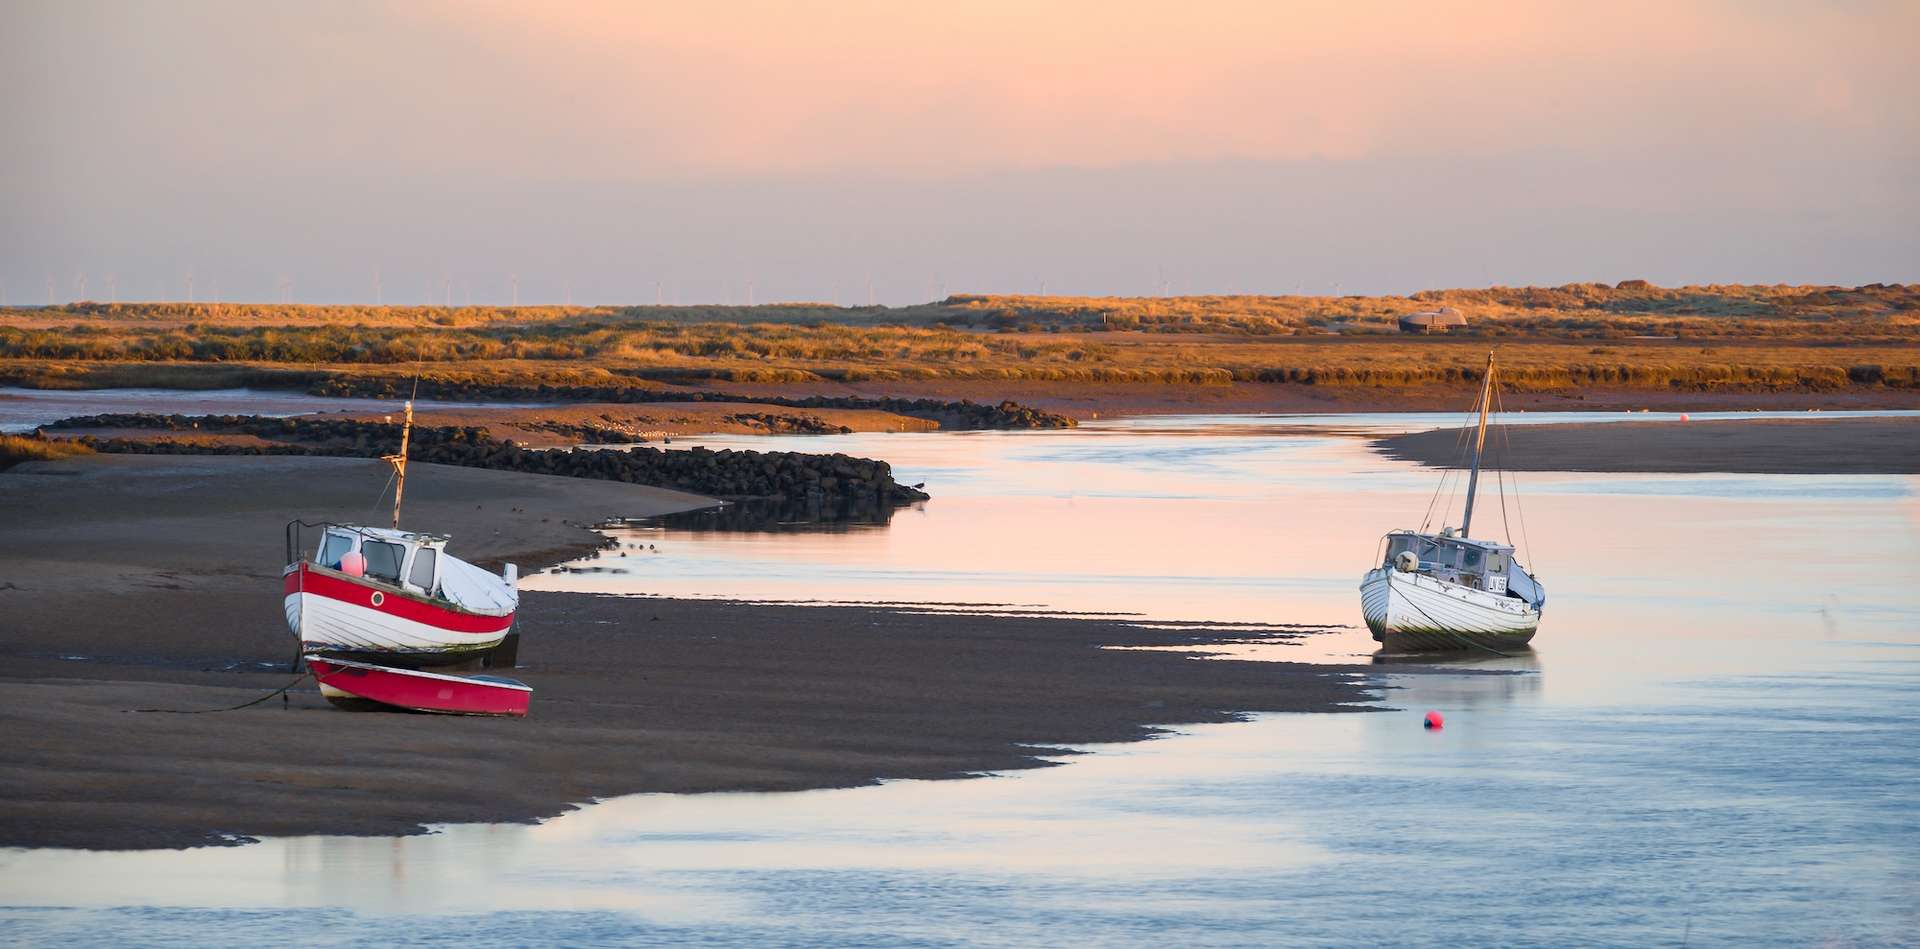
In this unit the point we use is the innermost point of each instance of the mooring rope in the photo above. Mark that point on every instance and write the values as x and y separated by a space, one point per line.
231 708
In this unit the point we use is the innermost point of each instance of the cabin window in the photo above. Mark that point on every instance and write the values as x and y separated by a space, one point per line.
1473 559
383 560
1496 563
422 573
336 547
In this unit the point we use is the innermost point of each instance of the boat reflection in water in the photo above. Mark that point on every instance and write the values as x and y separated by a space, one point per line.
782 516
1464 680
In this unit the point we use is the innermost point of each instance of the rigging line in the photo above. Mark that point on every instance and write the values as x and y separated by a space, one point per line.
1518 507
1464 452
381 499
1500 475
1445 474
1450 475
1506 527
419 364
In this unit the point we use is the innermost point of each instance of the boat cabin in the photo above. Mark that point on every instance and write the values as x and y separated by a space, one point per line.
403 559
1478 564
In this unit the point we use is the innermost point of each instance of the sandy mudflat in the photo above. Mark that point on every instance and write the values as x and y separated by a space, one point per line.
153 581
1754 446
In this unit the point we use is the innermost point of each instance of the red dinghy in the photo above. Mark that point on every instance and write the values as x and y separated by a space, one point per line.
345 682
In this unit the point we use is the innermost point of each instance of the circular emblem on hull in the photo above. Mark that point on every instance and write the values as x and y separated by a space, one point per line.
379 598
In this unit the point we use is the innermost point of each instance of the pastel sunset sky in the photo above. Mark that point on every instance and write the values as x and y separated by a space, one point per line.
623 152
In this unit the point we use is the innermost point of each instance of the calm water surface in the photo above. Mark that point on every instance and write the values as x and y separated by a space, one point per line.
1717 741
23 409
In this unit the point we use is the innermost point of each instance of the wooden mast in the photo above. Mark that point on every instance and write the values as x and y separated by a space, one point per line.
1479 443
399 463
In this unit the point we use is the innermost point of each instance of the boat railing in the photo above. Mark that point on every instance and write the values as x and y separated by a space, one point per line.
298 547
296 538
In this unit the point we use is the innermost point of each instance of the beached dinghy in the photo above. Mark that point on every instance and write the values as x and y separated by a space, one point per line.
351 684
1447 591
392 596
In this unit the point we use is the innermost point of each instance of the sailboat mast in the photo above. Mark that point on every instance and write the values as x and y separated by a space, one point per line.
1479 444
399 463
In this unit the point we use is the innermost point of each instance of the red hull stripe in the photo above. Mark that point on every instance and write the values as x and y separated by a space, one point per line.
346 591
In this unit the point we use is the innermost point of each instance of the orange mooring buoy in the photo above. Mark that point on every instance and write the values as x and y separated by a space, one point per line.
1435 720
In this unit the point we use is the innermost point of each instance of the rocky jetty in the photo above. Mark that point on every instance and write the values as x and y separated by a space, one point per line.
829 486
962 415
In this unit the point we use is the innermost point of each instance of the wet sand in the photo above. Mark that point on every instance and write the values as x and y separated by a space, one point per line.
153 581
1749 446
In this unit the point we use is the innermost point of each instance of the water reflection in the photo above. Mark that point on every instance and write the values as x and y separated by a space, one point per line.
834 516
1523 821
1229 522
1717 738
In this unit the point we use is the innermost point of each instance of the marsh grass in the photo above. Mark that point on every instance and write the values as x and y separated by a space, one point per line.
1633 335
15 449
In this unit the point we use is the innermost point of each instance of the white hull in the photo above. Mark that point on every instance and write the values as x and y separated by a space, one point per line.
1413 611
330 624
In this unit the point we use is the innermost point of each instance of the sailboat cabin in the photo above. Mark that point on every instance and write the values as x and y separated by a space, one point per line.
1477 564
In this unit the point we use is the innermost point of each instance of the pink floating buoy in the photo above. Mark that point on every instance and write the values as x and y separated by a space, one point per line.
1435 720
1683 416
353 564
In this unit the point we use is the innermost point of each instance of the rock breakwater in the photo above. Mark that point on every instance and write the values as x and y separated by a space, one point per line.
822 486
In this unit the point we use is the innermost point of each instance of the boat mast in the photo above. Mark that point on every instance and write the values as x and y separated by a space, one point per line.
399 463
1479 443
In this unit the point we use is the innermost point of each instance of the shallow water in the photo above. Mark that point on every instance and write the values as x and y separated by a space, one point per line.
21 410
1717 740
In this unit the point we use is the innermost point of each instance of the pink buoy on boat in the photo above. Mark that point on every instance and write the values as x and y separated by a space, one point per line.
353 564
1435 720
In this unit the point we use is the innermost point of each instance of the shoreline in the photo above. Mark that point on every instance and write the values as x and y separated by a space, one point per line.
529 421
1720 446
151 581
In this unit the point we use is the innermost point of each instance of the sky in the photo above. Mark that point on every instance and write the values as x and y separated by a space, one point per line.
416 152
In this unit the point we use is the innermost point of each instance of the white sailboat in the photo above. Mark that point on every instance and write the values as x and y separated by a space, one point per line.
1447 591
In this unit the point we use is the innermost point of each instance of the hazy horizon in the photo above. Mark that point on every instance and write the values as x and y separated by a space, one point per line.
603 154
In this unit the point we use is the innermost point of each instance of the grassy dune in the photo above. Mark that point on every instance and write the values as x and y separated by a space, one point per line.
1548 338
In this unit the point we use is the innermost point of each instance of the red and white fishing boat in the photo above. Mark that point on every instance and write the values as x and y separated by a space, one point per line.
349 683
392 596
396 595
